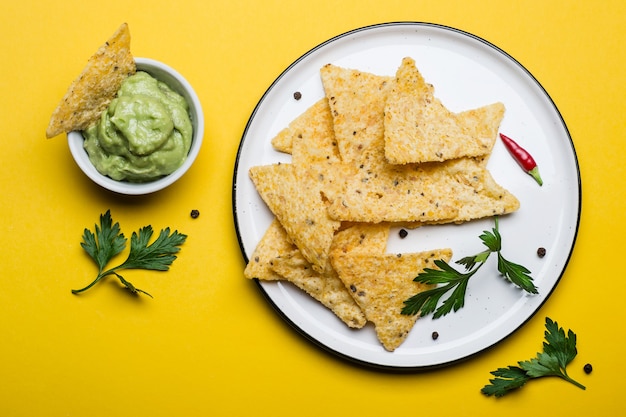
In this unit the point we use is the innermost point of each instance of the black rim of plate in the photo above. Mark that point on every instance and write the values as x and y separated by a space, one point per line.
301 331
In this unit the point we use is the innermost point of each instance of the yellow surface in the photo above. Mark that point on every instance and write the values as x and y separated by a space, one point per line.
208 344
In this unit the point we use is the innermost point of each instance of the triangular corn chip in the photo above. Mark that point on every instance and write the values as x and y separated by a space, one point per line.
325 287
356 101
476 193
274 243
276 258
376 192
361 238
90 94
297 203
380 283
309 136
419 128
443 192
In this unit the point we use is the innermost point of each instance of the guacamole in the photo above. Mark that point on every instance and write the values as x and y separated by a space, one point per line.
144 134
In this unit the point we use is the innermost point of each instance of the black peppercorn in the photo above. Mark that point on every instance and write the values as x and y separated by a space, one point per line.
435 335
541 252
403 233
297 95
588 368
194 214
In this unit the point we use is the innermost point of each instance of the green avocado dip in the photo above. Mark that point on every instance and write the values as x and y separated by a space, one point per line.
144 134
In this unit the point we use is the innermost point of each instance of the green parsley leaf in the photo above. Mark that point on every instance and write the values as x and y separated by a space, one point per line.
471 261
492 239
508 379
558 345
108 241
558 351
517 274
156 256
455 282
426 302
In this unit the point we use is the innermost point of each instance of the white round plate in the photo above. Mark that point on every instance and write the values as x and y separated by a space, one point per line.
467 72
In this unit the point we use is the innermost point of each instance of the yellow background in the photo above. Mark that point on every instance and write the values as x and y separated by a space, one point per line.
208 343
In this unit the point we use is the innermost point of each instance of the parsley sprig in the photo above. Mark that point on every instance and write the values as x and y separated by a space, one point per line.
558 351
449 279
108 241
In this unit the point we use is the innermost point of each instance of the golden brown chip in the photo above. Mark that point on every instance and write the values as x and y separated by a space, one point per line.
326 287
436 192
314 146
482 124
297 203
380 283
316 142
361 238
310 136
277 258
419 128
90 94
356 101
476 192
274 243
377 191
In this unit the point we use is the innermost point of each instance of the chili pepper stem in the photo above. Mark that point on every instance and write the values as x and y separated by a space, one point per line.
535 174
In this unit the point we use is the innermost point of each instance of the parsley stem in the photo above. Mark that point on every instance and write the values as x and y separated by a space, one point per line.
88 286
573 381
95 281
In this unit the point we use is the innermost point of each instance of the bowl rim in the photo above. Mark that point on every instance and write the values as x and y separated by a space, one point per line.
75 138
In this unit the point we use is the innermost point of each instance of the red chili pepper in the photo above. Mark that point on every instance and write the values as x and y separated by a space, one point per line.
523 158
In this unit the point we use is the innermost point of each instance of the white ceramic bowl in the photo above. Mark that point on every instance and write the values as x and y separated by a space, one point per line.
176 81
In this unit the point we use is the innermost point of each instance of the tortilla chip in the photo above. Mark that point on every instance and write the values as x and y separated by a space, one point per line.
274 243
453 191
419 128
476 192
367 108
356 101
277 258
314 147
311 134
297 203
316 143
483 125
380 283
376 192
361 238
90 94
326 287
